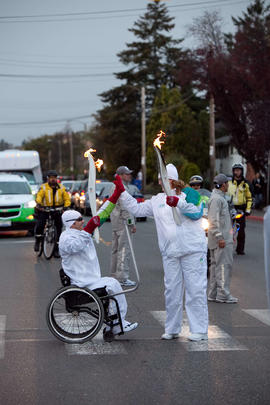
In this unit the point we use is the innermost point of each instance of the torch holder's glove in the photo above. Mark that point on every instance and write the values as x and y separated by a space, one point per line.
119 188
92 224
172 200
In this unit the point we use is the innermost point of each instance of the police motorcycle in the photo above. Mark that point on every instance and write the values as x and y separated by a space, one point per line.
76 315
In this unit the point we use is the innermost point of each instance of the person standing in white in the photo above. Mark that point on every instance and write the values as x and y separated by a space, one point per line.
183 249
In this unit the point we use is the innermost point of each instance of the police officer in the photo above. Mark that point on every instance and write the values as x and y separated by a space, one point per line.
242 200
51 194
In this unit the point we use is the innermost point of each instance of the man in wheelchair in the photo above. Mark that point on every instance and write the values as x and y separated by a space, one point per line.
80 261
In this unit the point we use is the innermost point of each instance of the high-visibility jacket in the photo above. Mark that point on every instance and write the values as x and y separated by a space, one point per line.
46 196
240 193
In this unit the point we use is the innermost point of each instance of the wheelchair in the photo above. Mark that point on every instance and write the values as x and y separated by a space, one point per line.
76 315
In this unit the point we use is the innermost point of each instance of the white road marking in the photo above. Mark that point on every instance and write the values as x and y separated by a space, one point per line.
262 315
2 335
95 346
17 241
218 339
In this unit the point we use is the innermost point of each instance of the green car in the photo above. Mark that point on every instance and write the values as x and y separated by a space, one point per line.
17 204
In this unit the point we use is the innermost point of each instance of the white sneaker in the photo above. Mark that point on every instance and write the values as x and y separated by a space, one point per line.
169 336
127 283
196 337
130 326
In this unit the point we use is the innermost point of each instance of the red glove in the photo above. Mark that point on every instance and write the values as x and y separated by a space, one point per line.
119 188
92 224
172 200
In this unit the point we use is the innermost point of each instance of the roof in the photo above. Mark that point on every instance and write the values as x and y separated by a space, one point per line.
12 177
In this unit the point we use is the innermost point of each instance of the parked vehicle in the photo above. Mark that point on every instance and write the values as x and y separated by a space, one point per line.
67 184
17 204
74 192
24 162
103 187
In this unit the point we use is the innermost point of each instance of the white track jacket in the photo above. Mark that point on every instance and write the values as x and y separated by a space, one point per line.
174 240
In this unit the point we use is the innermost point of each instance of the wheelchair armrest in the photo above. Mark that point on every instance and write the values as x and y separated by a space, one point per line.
101 292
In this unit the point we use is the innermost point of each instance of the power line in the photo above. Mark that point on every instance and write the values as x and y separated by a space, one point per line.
9 124
108 13
25 76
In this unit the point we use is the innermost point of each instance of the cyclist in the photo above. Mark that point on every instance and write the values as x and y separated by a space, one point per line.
51 194
242 200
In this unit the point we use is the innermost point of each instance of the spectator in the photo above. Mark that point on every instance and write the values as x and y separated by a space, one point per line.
220 243
258 187
120 259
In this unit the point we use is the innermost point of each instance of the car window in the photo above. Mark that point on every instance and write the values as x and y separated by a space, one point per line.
14 187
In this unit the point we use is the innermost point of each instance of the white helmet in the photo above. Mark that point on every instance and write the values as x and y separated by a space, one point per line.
195 180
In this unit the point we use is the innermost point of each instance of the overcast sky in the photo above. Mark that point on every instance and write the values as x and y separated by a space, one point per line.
41 39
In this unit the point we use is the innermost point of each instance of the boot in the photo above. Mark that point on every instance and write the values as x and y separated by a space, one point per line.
37 244
56 252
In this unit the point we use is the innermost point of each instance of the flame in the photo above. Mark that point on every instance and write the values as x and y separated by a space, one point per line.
98 164
88 152
157 142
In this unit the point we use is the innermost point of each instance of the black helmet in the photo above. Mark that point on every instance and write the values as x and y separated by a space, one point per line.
238 166
52 173
195 180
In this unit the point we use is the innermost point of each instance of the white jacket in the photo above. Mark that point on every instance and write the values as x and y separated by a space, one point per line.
174 240
79 257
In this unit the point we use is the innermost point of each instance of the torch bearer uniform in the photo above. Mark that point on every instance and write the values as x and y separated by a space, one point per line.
80 261
183 248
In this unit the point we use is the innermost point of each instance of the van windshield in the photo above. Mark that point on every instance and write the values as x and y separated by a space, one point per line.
15 187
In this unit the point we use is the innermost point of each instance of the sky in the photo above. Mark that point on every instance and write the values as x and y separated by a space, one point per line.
57 56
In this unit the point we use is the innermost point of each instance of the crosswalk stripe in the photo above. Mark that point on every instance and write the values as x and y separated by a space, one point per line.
262 315
2 335
95 346
218 339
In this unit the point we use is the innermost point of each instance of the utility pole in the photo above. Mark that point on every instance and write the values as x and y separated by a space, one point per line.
268 180
68 130
143 141
60 155
212 153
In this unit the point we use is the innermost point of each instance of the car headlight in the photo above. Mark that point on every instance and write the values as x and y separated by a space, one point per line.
30 204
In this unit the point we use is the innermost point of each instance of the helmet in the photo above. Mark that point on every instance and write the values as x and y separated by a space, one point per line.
195 180
52 173
238 166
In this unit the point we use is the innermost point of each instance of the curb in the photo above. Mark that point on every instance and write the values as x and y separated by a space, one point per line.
255 218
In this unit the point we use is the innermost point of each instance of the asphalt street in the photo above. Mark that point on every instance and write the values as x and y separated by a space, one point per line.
233 367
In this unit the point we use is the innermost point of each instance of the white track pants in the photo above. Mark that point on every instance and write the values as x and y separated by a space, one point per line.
113 286
187 273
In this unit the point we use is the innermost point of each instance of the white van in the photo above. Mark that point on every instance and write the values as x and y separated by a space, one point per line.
22 162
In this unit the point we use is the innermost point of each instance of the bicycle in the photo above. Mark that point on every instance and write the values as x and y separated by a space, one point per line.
49 238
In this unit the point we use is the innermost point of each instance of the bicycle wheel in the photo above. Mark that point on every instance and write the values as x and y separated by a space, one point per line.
75 314
39 253
49 241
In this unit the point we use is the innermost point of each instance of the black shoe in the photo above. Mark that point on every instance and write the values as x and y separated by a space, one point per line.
56 253
108 335
36 247
240 253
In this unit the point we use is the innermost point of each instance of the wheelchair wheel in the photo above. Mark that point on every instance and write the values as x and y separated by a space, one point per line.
49 241
75 314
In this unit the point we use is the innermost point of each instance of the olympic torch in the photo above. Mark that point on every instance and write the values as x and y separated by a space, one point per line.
163 173
92 185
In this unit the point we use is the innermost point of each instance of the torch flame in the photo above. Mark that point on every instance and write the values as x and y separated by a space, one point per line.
157 142
88 152
98 164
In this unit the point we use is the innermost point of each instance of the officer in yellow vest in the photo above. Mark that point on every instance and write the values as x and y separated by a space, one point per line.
51 194
242 201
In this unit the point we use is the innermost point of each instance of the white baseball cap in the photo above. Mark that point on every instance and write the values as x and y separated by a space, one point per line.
69 217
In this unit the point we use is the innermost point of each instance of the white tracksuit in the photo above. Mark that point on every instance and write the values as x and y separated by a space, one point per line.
80 263
183 249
